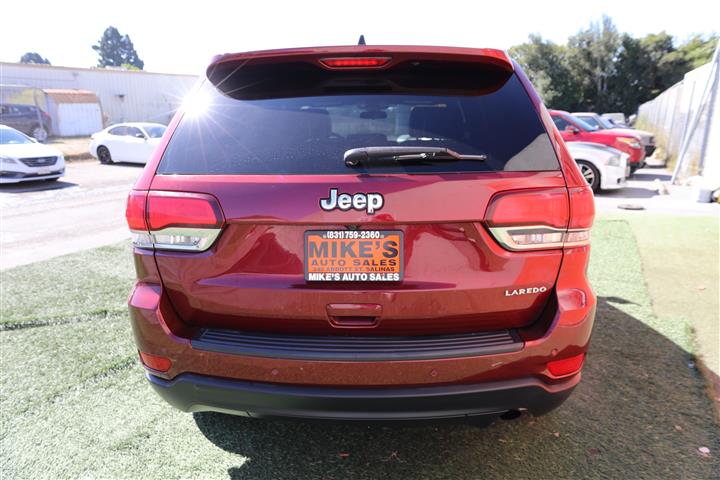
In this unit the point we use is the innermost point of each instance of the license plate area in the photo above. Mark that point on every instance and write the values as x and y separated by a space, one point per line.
353 255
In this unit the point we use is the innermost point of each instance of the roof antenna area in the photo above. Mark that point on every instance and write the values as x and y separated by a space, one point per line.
361 41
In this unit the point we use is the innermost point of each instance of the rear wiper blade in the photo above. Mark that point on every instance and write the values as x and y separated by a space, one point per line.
356 156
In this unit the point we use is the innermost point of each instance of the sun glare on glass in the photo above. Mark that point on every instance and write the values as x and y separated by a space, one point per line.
195 104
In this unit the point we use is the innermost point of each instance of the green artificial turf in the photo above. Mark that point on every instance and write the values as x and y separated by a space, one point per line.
74 402
681 263
68 288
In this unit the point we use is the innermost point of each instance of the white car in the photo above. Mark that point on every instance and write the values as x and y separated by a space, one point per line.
126 142
603 167
23 159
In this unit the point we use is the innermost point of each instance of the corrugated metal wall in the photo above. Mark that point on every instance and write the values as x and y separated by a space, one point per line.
125 96
669 116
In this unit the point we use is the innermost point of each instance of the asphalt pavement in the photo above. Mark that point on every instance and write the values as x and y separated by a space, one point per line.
84 209
649 190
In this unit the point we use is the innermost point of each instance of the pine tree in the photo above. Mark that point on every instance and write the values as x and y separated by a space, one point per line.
116 50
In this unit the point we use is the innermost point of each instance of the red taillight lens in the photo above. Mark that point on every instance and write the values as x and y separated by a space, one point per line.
582 208
135 211
529 207
171 209
174 220
566 366
541 219
355 62
155 362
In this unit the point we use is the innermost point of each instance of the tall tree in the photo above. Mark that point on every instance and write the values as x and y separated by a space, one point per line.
698 51
591 57
34 57
666 64
115 50
546 65
631 83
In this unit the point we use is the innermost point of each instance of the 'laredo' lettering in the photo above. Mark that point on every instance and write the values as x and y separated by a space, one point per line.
524 291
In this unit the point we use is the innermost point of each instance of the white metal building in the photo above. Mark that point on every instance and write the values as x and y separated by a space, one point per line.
125 95
73 112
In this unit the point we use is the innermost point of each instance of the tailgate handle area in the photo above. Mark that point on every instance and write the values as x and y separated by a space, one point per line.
354 315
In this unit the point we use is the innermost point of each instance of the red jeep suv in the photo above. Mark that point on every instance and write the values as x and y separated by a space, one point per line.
368 233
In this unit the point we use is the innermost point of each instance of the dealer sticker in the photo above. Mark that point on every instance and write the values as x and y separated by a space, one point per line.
353 255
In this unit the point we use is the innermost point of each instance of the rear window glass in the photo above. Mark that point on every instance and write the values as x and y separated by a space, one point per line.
306 128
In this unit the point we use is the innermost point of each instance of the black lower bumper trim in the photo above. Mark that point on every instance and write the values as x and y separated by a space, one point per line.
366 349
197 393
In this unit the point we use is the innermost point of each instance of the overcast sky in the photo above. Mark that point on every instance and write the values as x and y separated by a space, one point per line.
181 39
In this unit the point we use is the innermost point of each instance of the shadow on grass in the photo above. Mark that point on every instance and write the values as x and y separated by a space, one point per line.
639 412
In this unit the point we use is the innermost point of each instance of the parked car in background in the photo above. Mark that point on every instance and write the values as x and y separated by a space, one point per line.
132 142
604 168
574 129
367 233
22 158
29 119
647 138
618 119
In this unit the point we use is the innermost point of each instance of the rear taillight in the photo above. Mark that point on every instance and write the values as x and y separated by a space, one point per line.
355 62
174 220
541 219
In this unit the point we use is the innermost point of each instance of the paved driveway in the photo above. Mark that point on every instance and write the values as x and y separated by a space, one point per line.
84 209
643 191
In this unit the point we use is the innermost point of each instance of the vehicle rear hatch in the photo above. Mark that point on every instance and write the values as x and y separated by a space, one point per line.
266 136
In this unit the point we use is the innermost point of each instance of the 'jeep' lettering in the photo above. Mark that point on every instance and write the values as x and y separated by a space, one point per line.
371 202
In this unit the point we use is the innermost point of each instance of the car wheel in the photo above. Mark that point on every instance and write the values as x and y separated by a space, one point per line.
590 173
104 155
39 133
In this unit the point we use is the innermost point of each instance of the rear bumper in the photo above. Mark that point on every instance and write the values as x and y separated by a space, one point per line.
221 376
195 393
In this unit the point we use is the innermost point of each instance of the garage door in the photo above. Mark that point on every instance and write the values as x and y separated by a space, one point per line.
78 119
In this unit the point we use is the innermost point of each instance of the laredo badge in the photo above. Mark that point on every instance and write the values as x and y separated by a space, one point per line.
525 291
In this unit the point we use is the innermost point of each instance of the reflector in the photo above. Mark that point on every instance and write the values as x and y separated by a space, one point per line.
155 362
566 366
